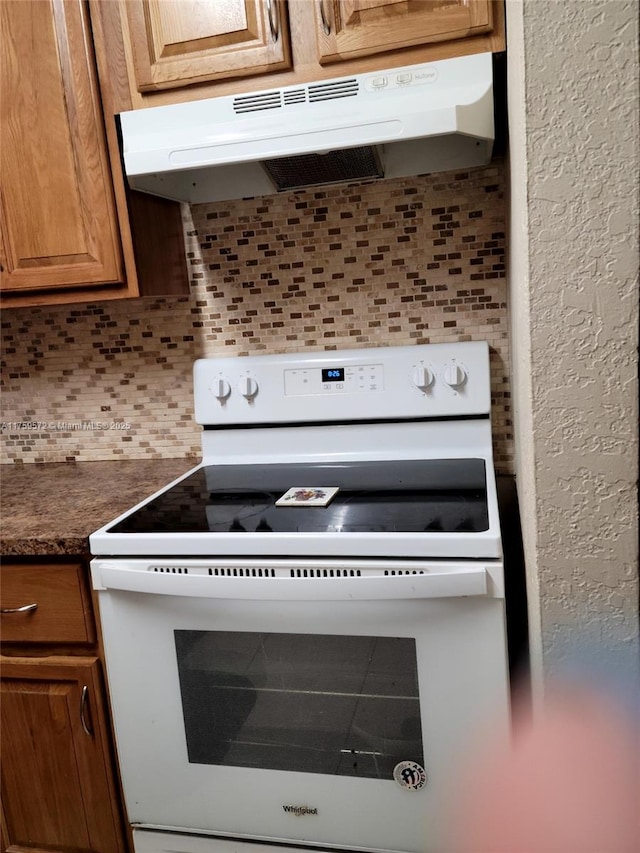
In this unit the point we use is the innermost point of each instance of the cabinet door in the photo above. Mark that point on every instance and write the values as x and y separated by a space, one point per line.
57 784
57 209
352 28
179 42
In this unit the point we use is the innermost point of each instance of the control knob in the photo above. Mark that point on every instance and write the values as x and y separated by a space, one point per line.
221 389
248 387
454 375
421 377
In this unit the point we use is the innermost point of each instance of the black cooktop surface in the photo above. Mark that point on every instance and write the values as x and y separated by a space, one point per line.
432 496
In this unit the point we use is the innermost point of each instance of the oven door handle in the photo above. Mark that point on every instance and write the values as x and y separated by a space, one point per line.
452 581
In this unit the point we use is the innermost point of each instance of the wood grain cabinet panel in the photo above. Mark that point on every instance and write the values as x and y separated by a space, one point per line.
179 42
57 206
58 778
56 785
68 226
347 29
45 604
155 52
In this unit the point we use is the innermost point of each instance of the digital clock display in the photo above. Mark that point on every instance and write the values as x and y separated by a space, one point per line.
333 374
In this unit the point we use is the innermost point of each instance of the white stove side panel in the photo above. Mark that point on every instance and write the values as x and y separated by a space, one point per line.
428 380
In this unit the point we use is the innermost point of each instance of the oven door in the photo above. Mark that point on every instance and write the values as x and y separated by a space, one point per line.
302 712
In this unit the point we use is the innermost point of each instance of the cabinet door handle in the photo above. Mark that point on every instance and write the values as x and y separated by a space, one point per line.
83 707
326 26
274 20
26 608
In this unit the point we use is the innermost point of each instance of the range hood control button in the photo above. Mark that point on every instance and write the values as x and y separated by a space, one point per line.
221 389
248 387
454 375
421 377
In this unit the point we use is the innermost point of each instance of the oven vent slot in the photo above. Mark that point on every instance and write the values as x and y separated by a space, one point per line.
404 572
237 572
326 573
217 571
170 570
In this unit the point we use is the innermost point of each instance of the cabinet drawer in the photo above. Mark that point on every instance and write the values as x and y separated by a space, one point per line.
62 611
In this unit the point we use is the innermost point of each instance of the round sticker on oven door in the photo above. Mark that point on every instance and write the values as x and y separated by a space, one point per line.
410 775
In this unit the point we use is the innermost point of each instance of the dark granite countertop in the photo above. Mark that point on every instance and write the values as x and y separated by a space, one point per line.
50 509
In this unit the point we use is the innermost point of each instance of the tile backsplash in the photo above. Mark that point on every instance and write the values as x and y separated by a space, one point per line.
407 261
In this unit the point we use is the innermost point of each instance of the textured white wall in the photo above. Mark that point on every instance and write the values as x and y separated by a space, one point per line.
574 124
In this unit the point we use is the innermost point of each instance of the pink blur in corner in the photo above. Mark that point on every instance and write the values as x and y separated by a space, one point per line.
569 784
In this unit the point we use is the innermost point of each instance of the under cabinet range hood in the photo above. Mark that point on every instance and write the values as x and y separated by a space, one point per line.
387 124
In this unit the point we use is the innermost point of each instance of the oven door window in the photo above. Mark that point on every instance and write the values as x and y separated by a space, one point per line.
338 705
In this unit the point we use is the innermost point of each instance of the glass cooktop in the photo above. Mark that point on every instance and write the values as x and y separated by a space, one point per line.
431 496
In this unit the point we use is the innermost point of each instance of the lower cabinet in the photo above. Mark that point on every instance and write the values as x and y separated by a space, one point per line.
55 775
59 786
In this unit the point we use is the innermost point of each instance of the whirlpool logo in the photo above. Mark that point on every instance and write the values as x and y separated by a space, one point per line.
299 811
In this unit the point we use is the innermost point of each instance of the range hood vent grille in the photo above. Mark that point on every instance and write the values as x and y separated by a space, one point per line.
336 89
400 122
307 170
295 96
344 88
257 101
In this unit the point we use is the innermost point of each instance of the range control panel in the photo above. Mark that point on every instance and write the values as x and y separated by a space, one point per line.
334 380
428 380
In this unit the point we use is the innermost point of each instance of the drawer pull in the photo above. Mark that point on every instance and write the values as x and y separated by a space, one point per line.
26 608
83 707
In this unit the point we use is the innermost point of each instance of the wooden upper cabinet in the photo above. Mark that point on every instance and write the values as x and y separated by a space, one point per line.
155 52
57 206
175 43
348 29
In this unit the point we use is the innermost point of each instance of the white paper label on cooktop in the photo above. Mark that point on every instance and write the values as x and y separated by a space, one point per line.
308 496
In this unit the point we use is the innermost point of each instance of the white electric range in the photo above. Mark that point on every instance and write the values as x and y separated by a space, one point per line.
303 632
